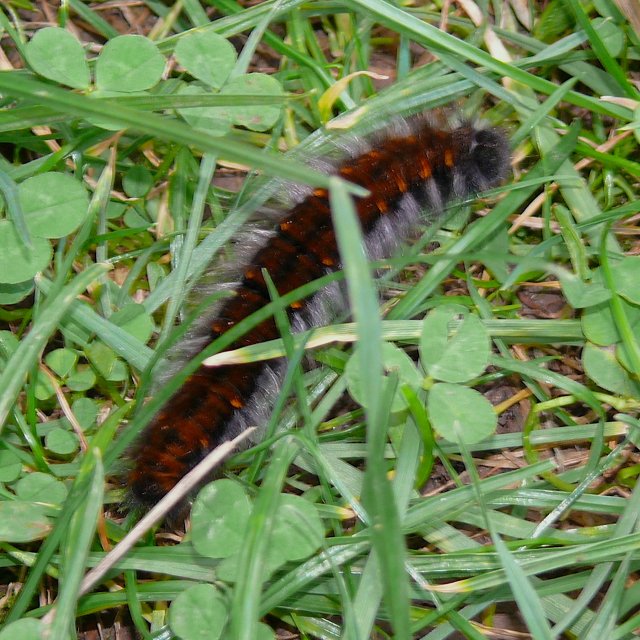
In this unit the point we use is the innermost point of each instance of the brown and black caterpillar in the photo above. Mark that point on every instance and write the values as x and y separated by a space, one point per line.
414 168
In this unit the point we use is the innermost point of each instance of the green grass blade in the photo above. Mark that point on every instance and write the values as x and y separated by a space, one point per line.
245 604
17 85
378 496
77 545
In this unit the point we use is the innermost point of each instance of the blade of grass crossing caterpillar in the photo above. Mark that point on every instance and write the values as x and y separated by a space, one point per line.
378 497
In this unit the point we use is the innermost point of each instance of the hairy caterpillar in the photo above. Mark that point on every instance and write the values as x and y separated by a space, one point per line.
413 167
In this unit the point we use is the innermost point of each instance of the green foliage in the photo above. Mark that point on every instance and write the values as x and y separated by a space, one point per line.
460 414
10 467
486 458
23 521
222 508
395 361
40 487
18 261
605 369
26 629
207 57
53 204
55 54
221 515
129 64
456 356
12 293
200 613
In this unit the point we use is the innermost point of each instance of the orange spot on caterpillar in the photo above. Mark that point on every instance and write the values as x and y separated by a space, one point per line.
425 168
401 183
448 158
383 206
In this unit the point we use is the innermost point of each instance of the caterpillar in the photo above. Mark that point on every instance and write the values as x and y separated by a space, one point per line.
414 166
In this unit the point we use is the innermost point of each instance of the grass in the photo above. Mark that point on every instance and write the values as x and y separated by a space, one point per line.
532 530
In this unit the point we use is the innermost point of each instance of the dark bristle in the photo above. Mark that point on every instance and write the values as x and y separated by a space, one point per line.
491 155
417 168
